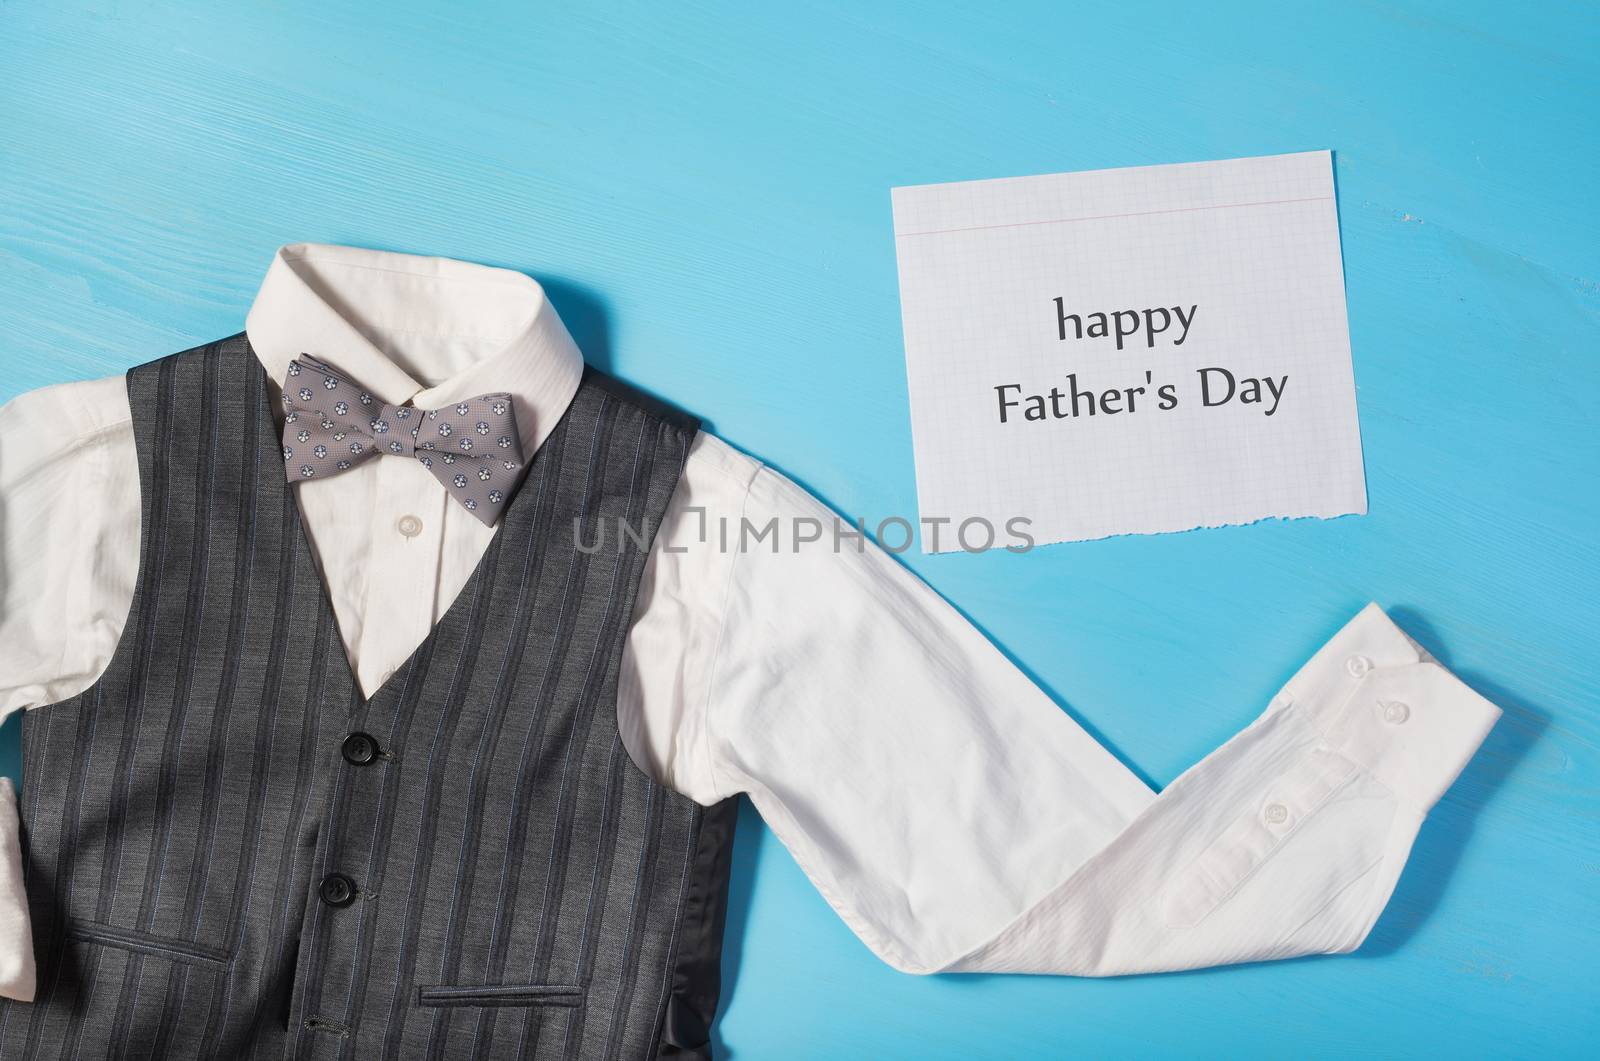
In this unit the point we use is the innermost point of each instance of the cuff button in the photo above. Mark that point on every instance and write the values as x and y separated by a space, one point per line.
1395 712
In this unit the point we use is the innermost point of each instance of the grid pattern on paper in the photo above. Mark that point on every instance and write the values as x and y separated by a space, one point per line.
1251 244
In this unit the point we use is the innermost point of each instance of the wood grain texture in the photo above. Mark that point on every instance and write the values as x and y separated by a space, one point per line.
703 187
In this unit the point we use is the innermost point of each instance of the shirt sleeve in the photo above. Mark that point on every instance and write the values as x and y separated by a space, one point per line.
958 820
69 538
69 542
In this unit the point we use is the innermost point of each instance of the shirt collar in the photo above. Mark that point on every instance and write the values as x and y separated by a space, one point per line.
431 331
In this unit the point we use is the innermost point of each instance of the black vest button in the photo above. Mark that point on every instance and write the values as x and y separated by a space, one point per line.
359 749
337 890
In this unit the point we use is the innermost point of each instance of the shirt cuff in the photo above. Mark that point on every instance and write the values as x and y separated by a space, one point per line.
1383 703
16 933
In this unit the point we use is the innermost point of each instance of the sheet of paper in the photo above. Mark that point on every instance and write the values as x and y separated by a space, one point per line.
1128 351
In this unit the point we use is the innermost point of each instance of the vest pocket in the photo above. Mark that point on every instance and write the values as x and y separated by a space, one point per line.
498 995
177 950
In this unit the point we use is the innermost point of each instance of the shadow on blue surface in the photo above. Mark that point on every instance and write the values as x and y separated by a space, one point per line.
11 749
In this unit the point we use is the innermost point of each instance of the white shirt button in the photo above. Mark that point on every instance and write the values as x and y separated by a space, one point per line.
1395 712
1276 814
1358 666
410 526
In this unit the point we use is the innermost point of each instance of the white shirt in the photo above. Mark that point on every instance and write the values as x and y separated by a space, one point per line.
953 815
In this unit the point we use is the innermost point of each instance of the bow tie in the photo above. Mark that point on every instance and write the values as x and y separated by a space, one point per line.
331 424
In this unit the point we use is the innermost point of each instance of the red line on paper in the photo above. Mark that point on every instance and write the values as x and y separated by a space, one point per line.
1109 217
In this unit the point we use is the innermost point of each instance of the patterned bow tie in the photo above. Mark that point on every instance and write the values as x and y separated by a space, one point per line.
331 424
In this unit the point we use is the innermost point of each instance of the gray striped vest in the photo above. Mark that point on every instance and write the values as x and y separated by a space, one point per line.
231 853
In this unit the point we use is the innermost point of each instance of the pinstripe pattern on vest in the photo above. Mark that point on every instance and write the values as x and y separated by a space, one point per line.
523 890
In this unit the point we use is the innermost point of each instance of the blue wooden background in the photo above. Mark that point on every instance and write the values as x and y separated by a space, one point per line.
703 187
